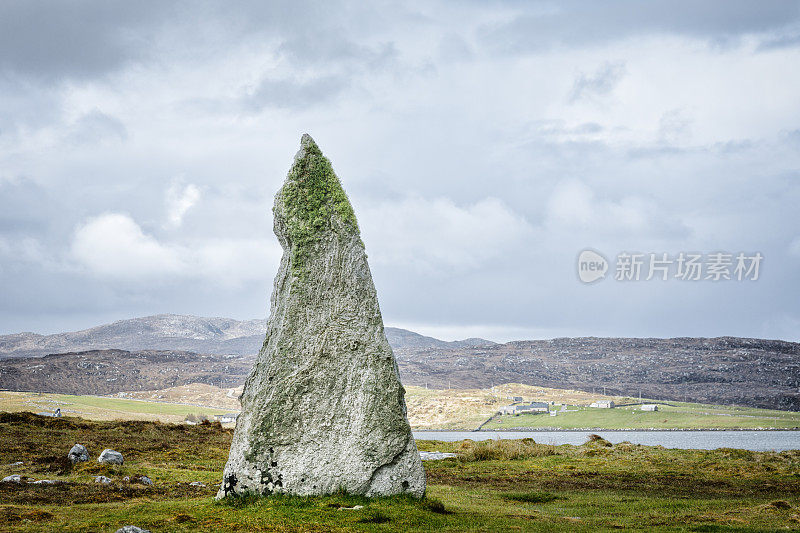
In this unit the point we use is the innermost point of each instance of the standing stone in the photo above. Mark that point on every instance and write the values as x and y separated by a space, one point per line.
323 409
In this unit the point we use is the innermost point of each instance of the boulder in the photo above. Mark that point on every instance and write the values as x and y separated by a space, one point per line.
323 409
131 529
110 457
102 479
12 479
78 453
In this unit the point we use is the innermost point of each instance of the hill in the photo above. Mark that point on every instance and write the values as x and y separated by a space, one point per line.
159 332
725 370
110 371
221 336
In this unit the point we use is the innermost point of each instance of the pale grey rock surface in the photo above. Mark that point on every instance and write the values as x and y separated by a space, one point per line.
323 409
110 457
78 453
435 456
131 529
102 480
14 478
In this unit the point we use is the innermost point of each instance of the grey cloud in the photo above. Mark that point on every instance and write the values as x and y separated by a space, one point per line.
453 48
330 46
292 94
26 208
96 126
787 39
55 40
600 83
585 22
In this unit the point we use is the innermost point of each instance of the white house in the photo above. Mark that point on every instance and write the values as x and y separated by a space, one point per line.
649 407
533 407
603 404
227 418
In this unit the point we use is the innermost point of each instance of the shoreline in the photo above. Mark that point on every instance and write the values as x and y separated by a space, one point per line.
583 430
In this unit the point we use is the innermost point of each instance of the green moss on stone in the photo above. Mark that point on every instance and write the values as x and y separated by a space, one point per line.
312 197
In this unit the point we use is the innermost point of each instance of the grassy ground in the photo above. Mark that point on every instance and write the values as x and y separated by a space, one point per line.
678 415
492 486
100 407
427 409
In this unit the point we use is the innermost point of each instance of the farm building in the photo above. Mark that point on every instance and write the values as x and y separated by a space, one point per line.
533 407
227 418
603 404
649 407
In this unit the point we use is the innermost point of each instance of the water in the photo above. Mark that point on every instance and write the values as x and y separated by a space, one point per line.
705 440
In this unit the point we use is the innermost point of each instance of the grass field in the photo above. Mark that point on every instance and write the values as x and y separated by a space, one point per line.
677 415
429 409
100 407
502 485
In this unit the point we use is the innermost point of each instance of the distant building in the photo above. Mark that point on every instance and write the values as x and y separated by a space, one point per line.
517 398
553 413
227 418
649 407
537 407
533 407
602 404
57 413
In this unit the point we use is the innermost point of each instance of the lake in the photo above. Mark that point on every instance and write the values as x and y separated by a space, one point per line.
705 440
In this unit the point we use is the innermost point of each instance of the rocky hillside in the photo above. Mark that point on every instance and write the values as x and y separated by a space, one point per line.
160 332
111 371
223 336
753 372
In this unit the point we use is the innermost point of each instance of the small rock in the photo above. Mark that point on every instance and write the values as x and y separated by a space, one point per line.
110 457
126 479
102 479
43 482
12 479
131 529
78 454
197 484
353 508
435 456
18 463
144 480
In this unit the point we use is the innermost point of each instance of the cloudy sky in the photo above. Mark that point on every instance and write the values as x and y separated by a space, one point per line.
483 146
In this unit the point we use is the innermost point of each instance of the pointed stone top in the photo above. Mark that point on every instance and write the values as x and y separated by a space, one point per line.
307 145
311 203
